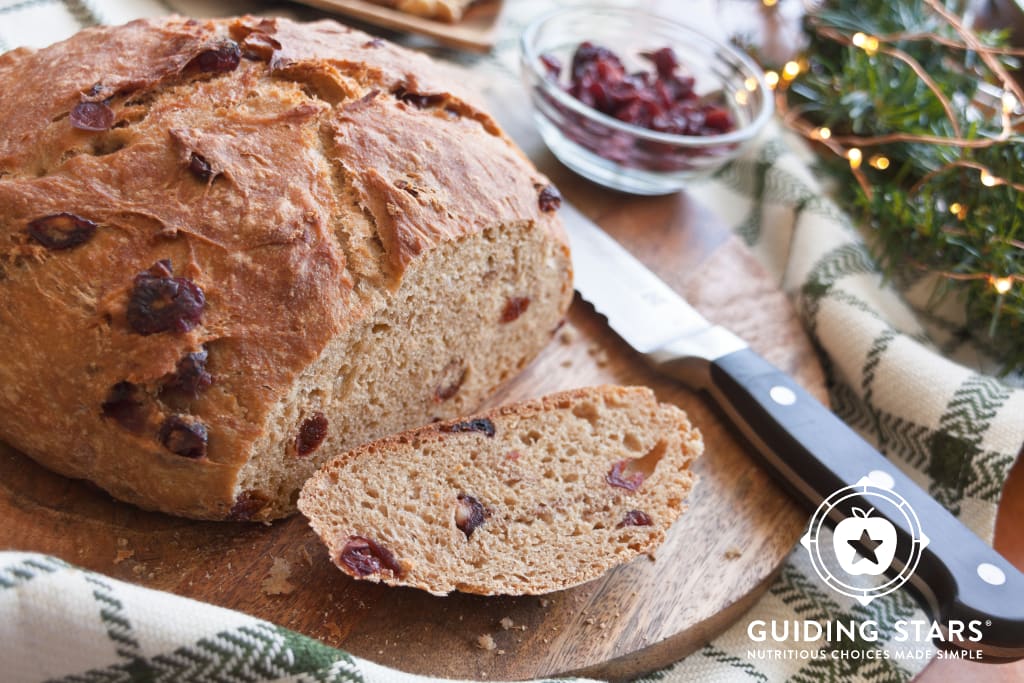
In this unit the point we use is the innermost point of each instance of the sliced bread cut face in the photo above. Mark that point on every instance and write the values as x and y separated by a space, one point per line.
526 499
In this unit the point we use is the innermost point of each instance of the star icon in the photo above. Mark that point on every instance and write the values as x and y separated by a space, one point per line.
865 546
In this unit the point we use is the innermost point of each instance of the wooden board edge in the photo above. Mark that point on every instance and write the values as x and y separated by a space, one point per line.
676 648
477 31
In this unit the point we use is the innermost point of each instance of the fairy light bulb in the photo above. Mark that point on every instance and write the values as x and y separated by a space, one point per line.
865 42
880 162
1002 285
823 133
791 70
1009 102
771 78
987 179
958 210
855 157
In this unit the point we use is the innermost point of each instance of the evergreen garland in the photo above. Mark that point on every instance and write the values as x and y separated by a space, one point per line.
922 113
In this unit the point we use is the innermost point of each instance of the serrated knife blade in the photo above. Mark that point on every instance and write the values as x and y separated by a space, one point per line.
958 577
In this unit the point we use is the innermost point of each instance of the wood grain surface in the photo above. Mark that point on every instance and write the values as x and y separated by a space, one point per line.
476 31
645 614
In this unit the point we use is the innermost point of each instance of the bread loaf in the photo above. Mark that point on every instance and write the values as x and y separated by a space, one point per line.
230 248
527 499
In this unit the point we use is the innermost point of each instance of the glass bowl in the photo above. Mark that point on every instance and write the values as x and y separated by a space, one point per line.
621 155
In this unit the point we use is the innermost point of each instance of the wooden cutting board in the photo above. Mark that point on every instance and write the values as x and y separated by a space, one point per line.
716 561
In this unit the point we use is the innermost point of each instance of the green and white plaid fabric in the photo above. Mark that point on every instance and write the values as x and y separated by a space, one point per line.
900 373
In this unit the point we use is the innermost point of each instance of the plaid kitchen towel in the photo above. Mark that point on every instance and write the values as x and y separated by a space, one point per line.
901 373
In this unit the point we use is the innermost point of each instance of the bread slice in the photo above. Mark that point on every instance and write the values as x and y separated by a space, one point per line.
527 499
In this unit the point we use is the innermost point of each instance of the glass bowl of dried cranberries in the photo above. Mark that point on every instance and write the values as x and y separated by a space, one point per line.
637 102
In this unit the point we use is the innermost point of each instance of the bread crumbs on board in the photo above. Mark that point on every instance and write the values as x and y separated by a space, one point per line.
485 642
276 582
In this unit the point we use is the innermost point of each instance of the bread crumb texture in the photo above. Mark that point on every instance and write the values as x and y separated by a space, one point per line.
232 248
527 499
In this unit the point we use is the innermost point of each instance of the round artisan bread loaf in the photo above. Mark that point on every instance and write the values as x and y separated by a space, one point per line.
231 248
527 499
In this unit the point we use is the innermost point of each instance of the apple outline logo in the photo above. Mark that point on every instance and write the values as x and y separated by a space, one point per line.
859 527
833 507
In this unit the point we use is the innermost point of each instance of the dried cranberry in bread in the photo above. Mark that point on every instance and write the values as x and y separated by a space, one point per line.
527 499
229 248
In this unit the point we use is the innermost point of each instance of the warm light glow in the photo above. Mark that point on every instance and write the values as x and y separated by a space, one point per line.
958 210
1002 285
988 180
770 3
865 42
790 71
1009 102
741 97
880 162
823 133
750 84
855 156
771 78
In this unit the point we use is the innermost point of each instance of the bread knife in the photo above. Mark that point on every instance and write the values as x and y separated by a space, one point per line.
959 578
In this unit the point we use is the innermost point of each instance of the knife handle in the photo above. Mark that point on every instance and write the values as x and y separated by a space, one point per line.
959 576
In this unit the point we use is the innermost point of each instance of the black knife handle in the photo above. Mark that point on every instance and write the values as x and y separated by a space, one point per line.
816 453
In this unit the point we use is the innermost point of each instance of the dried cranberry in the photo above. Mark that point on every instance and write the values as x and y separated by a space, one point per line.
615 478
469 514
452 377
634 518
161 303
662 100
125 404
365 557
514 308
312 433
664 60
549 199
221 58
482 425
259 45
200 167
418 100
94 117
247 505
184 436
552 65
190 376
61 230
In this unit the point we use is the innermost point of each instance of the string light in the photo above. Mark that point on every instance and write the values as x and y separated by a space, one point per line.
1002 285
770 3
958 210
791 70
865 42
771 78
987 179
741 97
855 157
880 162
750 84
1009 102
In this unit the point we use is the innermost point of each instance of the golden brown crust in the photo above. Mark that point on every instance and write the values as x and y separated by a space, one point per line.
256 229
